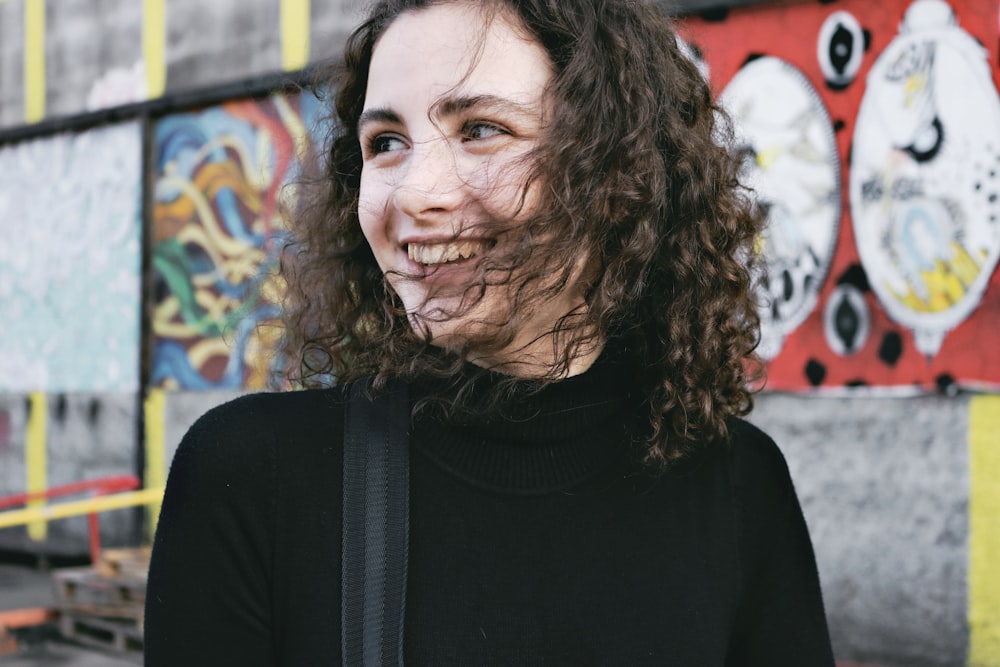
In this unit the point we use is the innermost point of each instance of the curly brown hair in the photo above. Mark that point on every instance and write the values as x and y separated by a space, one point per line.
636 173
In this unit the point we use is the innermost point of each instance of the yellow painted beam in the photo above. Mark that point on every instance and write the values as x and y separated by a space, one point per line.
114 501
984 531
295 18
156 465
34 60
154 46
36 459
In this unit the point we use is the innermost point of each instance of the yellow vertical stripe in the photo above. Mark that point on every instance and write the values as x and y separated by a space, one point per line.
35 458
34 60
156 467
294 34
154 46
984 531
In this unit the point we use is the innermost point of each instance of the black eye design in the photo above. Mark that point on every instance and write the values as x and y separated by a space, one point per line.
840 49
846 320
927 142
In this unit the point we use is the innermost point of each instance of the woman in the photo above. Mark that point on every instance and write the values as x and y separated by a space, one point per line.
526 218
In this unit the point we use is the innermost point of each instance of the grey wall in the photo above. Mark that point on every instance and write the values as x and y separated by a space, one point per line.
884 487
86 40
331 22
11 64
215 42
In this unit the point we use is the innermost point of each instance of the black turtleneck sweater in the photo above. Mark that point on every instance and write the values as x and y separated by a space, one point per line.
535 539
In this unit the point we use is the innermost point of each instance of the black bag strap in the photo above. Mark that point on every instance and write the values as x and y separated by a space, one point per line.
376 523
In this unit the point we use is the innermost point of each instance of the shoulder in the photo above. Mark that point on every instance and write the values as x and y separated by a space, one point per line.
766 501
248 430
749 454
753 453
761 481
268 411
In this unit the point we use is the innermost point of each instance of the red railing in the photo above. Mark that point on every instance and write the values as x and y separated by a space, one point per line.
98 487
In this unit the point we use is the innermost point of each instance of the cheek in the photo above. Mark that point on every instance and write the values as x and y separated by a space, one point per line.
372 217
506 190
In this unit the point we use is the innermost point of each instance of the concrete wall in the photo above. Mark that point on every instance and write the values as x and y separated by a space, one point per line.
884 485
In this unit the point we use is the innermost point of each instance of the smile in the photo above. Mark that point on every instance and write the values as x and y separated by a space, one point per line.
432 254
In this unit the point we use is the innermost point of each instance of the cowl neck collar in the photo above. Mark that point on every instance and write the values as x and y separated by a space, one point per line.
540 439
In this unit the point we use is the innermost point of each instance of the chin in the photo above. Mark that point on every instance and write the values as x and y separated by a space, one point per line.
450 322
451 334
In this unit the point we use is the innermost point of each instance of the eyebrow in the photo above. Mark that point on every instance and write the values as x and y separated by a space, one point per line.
450 106
377 115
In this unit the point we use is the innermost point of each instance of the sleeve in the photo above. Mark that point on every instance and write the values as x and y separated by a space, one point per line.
780 618
207 598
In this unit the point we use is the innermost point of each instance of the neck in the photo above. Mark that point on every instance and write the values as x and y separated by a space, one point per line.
546 347
544 357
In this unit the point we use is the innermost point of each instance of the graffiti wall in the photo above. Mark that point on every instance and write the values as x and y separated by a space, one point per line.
70 262
872 136
870 132
221 179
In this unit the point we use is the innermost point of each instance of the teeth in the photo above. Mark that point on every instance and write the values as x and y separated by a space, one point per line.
442 253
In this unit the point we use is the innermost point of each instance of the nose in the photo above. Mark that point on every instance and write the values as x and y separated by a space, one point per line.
430 184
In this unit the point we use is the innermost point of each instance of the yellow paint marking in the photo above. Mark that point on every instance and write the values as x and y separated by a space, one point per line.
34 60
984 531
35 459
294 34
113 501
154 46
156 467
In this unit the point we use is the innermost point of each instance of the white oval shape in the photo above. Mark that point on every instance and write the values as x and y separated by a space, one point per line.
784 131
924 175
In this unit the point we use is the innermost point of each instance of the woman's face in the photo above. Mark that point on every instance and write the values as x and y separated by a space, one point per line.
452 110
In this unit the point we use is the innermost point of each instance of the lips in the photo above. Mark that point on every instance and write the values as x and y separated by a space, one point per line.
434 254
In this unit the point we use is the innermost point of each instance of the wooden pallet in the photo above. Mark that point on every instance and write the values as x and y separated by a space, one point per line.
102 606
127 563
86 590
121 636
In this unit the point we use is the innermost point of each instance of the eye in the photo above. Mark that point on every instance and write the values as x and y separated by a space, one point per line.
385 143
840 49
481 130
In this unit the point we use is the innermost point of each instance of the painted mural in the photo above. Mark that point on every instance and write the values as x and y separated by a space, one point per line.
70 262
791 161
911 298
924 185
220 183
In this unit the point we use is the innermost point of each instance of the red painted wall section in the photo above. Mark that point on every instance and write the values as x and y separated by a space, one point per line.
888 359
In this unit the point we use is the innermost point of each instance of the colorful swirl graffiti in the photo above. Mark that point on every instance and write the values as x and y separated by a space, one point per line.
222 178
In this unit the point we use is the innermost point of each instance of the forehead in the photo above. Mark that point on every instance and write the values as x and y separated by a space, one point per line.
444 49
